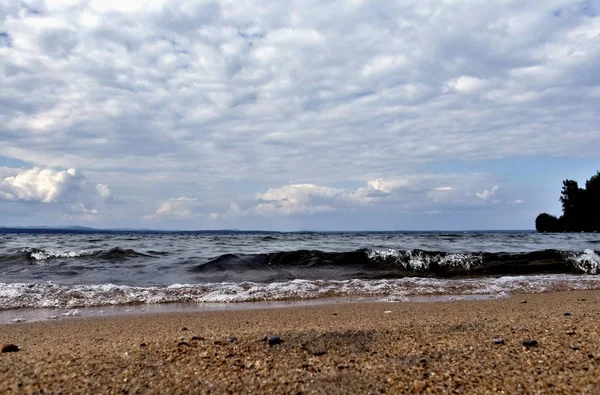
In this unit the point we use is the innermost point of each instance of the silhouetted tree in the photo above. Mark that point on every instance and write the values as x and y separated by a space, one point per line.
547 223
592 201
581 209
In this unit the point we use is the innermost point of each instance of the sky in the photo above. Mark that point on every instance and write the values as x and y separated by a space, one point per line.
295 115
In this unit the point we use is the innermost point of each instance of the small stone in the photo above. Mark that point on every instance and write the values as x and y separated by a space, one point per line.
567 314
318 353
575 348
10 348
524 301
226 341
197 338
272 340
571 332
530 343
183 344
184 329
143 344
498 340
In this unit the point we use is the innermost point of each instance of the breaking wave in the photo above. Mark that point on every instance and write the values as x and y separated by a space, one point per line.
384 264
41 254
48 295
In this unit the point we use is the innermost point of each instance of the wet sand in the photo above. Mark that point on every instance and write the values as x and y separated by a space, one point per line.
442 347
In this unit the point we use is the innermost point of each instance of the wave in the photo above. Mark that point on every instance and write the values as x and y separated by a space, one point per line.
48 295
40 254
382 264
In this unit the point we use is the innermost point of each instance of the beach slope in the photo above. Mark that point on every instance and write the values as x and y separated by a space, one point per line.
442 347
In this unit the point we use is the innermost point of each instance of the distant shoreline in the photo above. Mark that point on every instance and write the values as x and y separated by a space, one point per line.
43 229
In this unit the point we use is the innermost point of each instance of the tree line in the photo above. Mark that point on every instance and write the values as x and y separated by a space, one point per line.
581 209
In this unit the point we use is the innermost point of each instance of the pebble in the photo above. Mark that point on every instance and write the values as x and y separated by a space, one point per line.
530 343
571 332
498 340
567 314
272 340
228 340
10 348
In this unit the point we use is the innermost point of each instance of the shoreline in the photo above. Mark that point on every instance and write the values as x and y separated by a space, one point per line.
342 347
31 315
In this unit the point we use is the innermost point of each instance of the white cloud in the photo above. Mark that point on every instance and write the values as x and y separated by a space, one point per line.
177 209
413 193
301 199
467 84
42 185
104 191
487 193
222 99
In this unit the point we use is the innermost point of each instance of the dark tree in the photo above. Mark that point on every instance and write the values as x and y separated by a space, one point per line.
592 200
547 223
581 209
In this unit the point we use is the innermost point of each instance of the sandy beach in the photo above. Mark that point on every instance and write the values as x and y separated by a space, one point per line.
441 347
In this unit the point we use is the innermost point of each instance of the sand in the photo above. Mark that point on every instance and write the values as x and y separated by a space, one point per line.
445 347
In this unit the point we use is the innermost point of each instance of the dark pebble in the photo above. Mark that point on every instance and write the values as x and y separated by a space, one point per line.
228 340
197 338
524 301
567 314
183 344
571 332
143 345
10 348
530 343
575 348
272 340
334 314
590 356
184 329
498 340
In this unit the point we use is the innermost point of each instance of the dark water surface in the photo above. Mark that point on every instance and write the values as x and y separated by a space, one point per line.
71 270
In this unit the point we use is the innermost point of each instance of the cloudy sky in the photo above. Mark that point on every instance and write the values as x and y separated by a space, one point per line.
293 115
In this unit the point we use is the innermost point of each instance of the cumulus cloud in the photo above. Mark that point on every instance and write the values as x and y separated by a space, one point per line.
303 199
71 194
412 193
42 185
177 209
104 191
487 193
232 97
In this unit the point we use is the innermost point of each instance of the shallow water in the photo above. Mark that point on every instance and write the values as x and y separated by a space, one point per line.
76 270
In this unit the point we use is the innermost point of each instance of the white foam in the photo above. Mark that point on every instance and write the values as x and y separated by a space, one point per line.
41 255
421 261
49 295
587 261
